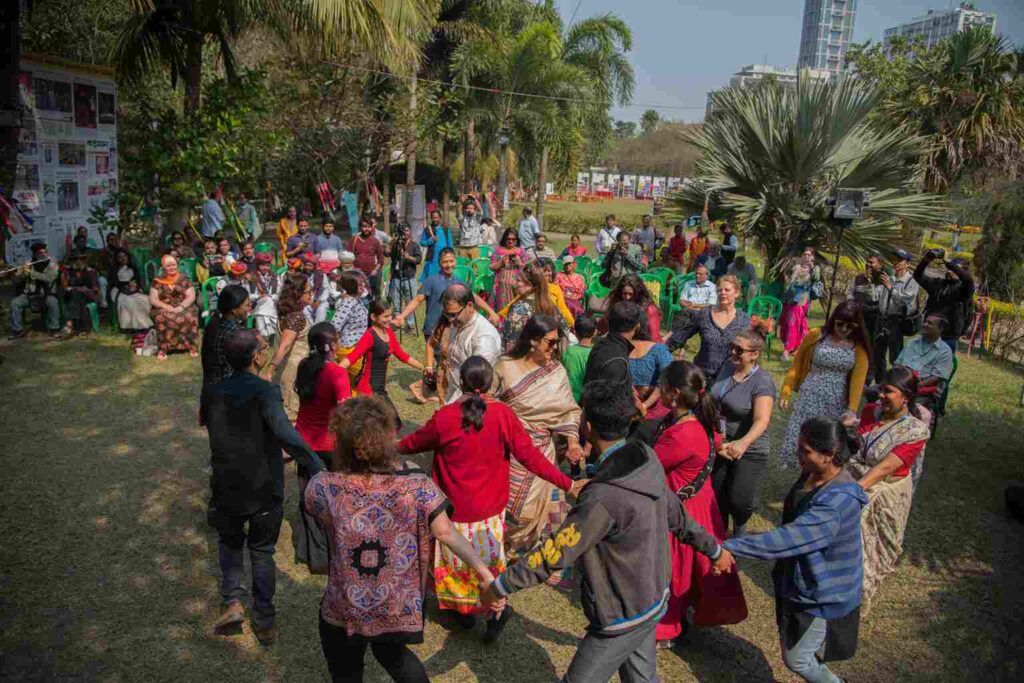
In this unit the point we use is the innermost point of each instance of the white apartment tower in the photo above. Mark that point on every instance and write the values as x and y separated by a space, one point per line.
940 24
826 34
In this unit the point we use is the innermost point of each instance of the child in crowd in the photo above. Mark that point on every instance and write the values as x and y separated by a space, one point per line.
575 357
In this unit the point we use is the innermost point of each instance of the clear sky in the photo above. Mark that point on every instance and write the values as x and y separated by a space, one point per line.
683 48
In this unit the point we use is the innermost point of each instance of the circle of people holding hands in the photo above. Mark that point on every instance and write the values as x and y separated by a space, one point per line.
570 446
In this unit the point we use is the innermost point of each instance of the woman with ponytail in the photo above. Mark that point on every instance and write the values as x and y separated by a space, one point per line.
472 440
232 309
684 442
321 384
817 551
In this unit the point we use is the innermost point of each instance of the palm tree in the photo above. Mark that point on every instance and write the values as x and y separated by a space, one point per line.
172 34
774 156
649 121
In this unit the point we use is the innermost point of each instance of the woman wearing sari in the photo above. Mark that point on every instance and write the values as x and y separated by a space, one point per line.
533 298
894 432
506 262
801 281
172 296
534 384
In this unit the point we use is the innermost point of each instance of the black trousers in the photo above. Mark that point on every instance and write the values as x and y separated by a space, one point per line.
344 655
735 483
887 345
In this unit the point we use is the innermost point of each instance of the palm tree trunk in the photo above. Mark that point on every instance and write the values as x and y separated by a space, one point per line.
385 198
410 155
194 76
502 179
467 158
542 178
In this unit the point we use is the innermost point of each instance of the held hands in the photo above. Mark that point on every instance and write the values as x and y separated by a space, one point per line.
784 403
494 319
267 373
397 321
574 453
724 563
577 487
489 598
732 450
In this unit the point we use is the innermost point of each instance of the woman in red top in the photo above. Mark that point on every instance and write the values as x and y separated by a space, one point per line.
321 385
379 342
472 440
684 447
677 249
894 432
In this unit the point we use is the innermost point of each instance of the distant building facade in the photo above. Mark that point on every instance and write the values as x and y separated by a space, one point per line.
753 74
940 24
826 34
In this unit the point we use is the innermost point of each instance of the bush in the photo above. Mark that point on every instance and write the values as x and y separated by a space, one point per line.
999 256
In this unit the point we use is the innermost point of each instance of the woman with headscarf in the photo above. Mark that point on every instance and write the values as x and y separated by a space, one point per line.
172 297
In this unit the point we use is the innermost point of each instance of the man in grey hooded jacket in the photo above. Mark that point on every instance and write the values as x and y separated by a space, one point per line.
617 537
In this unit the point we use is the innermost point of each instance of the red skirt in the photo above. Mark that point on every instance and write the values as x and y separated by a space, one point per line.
716 600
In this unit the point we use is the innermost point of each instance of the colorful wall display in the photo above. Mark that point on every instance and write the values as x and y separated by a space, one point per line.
67 153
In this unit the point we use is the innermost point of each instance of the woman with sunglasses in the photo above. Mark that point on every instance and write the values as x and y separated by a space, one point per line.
506 262
828 370
533 297
746 395
531 381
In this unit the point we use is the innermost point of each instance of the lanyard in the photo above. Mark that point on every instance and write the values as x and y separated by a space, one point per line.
734 383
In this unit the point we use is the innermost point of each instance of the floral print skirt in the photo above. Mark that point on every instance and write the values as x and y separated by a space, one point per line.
457 585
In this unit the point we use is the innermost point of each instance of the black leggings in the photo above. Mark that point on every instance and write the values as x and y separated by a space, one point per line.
735 483
345 655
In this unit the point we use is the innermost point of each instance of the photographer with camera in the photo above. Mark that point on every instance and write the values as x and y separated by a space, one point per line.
949 296
623 259
866 290
899 315
405 257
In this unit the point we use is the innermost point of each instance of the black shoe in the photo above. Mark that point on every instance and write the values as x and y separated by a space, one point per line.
16 335
496 626
465 621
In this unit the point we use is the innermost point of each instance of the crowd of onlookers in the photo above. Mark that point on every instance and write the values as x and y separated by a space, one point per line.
571 442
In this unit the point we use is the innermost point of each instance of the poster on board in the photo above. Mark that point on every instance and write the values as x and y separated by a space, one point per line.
107 109
85 105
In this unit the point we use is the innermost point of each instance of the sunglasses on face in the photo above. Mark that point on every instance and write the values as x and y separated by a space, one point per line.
452 315
549 342
738 350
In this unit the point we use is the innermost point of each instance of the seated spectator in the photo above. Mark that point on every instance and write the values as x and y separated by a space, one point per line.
178 242
132 304
575 249
699 293
212 264
172 297
224 250
540 250
248 256
746 273
572 284
348 265
81 287
35 286
716 263
264 286
316 311
931 358
331 247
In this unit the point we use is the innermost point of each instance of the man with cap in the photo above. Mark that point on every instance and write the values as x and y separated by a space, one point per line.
316 311
950 296
36 286
80 286
572 284
348 265
897 301
264 286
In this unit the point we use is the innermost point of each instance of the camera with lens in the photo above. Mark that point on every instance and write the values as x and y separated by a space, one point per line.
936 253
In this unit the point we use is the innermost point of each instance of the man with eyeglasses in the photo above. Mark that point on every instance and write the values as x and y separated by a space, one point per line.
472 335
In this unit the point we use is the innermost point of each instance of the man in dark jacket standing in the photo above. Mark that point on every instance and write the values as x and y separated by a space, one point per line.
248 429
617 537
948 296
609 360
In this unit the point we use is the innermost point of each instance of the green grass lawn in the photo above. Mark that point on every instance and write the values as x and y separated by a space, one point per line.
109 570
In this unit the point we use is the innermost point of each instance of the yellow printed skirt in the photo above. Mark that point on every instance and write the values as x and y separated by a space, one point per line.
458 586
355 369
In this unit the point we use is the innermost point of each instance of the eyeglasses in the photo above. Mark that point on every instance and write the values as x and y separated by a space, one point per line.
452 315
551 343
738 350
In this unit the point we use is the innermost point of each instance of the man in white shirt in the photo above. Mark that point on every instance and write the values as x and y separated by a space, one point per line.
607 236
699 293
472 335
529 228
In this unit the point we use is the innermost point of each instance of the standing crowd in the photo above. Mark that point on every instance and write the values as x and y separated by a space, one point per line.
572 444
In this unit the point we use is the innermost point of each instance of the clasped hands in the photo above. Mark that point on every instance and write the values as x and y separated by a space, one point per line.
490 599
724 563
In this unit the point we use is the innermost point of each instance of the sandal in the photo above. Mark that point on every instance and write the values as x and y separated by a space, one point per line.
161 356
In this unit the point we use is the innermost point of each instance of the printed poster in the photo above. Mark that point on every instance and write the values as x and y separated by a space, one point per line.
107 108
85 105
52 98
68 200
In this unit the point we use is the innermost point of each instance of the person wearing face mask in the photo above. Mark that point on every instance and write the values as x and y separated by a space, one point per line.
828 370
802 284
471 335
36 287
176 324
818 553
434 238
531 380
895 432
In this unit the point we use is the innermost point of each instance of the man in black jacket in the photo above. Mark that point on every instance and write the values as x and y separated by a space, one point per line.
248 429
610 358
948 296
617 538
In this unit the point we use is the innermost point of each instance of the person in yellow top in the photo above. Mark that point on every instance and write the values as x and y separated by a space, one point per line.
287 226
828 371
555 293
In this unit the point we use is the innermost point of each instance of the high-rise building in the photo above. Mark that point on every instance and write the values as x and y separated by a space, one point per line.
826 34
939 24
753 74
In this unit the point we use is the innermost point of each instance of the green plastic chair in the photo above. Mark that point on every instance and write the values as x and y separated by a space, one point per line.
774 289
94 313
595 288
651 278
210 286
152 266
559 268
673 307
282 270
481 267
484 283
765 306
463 261
188 266
140 255
464 273
595 272
486 251
945 390
584 265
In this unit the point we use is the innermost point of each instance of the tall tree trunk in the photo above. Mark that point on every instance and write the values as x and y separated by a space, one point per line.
467 157
446 182
10 96
542 181
385 198
194 77
410 155
502 179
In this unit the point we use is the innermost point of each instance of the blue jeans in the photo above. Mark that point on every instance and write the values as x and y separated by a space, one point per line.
400 293
21 302
803 658
261 535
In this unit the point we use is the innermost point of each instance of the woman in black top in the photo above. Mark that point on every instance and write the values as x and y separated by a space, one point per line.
232 310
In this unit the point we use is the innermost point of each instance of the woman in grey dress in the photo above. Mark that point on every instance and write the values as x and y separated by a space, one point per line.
828 371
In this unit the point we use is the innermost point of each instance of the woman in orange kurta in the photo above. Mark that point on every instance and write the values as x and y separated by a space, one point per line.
698 247
287 226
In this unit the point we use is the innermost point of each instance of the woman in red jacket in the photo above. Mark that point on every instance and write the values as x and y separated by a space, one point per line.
321 385
472 440
378 343
684 444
